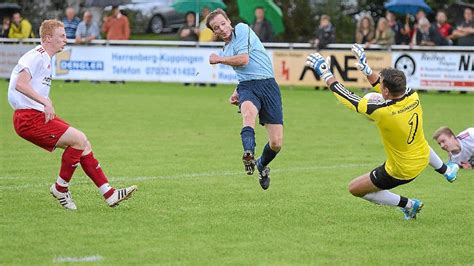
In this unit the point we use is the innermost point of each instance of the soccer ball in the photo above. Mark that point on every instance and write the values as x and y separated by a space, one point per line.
374 97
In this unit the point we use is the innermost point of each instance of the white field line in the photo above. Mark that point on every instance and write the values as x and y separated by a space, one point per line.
185 176
62 259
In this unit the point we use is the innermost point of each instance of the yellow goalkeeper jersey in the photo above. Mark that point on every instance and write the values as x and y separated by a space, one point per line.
400 125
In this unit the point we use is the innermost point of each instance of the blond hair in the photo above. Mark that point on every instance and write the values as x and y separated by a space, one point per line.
325 17
48 26
443 131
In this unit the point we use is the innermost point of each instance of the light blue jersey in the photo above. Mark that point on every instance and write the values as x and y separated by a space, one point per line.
245 41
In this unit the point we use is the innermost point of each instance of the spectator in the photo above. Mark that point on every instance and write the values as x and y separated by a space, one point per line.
365 30
408 29
464 32
420 14
401 36
20 28
205 34
325 33
427 35
71 21
116 26
413 30
87 30
5 27
261 26
444 28
96 7
189 32
384 34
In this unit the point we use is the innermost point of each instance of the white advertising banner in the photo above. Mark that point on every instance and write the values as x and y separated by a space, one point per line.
9 55
140 64
428 70
436 70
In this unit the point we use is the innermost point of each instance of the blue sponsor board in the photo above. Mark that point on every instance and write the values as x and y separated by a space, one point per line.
82 65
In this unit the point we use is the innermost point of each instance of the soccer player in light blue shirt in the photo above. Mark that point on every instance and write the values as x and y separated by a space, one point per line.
257 92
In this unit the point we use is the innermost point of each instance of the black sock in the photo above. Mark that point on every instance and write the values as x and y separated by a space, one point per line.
442 169
267 156
403 202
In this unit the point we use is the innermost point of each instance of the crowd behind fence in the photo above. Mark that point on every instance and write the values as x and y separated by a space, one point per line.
270 45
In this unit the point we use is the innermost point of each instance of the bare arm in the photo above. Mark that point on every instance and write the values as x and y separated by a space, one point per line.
236 60
427 43
330 81
464 31
373 78
23 86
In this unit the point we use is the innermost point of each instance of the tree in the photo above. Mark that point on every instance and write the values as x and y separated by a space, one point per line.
340 18
38 10
299 20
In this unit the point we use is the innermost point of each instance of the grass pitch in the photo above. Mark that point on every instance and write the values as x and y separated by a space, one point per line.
195 205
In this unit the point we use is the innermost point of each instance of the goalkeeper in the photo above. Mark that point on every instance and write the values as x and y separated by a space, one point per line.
399 120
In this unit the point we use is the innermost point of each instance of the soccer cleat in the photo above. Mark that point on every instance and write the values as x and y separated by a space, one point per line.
249 162
65 199
264 178
413 211
451 172
120 195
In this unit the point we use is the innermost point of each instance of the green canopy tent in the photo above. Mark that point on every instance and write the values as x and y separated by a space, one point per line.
272 13
196 6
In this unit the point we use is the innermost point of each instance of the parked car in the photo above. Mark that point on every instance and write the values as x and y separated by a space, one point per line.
153 16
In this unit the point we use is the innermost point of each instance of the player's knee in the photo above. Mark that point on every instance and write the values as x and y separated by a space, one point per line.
353 189
276 144
80 140
88 148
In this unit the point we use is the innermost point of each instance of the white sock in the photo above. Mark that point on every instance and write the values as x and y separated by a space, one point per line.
105 188
435 160
383 197
62 182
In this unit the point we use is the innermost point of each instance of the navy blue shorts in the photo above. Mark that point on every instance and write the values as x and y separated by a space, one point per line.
265 95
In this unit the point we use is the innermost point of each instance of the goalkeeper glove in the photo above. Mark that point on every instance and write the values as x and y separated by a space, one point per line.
361 64
320 65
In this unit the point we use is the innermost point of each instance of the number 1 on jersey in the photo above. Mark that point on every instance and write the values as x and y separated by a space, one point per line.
413 122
